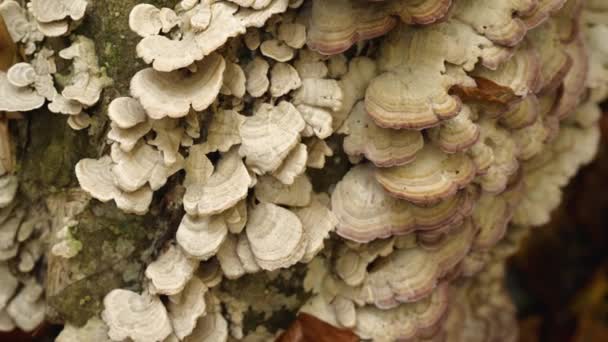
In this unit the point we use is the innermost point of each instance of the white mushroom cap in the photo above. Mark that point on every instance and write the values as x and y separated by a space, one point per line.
128 138
256 18
236 217
226 187
16 20
293 34
88 79
269 135
136 202
192 305
319 92
170 272
317 221
276 236
404 322
126 112
95 177
409 275
345 311
319 120
198 167
223 132
59 104
271 190
169 55
14 99
54 28
168 19
361 70
142 165
21 74
283 79
168 139
79 121
234 80
365 211
201 237
382 146
229 260
311 64
142 318
277 50
144 19
174 93
351 266
245 255
257 77
432 176
196 43
293 165
201 16
28 308
94 330
47 11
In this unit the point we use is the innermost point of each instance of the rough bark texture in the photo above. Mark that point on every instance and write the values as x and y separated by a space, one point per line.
116 246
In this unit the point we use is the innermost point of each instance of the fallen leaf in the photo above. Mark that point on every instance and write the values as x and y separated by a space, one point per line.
307 328
8 49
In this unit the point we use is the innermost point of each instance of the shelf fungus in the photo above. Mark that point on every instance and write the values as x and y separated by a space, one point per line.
368 162
276 236
384 147
173 94
410 274
433 176
224 188
335 26
365 211
269 135
398 99
198 41
170 272
201 237
138 317
185 311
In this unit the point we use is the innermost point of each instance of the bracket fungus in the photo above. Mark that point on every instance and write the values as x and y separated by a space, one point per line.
170 272
225 187
185 312
365 211
201 237
276 236
433 176
139 317
269 135
173 94
382 157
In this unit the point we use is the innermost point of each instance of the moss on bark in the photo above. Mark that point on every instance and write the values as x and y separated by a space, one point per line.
115 246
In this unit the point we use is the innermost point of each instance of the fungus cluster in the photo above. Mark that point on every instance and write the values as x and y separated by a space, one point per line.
383 157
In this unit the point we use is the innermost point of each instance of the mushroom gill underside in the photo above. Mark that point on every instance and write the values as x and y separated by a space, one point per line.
207 170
